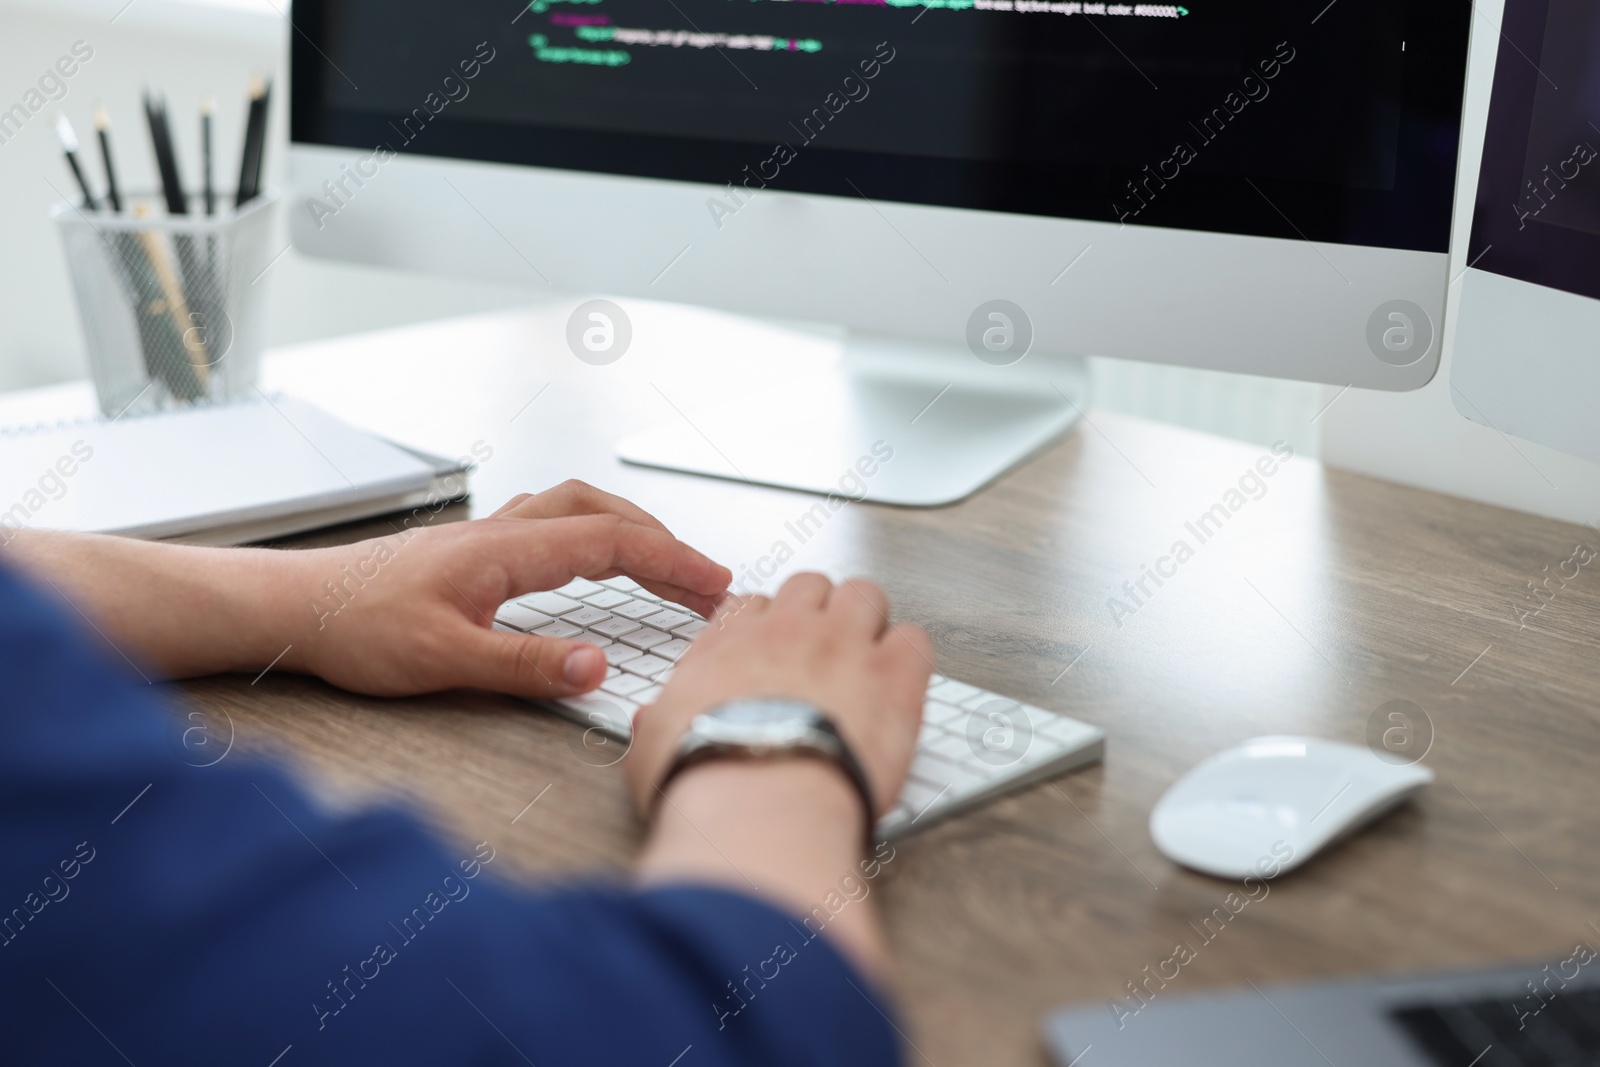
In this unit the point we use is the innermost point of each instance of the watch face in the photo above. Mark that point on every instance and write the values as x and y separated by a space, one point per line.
758 722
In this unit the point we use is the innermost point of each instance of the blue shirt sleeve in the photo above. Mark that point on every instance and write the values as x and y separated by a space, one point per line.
158 907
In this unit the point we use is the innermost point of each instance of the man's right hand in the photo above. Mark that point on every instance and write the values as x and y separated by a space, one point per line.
832 646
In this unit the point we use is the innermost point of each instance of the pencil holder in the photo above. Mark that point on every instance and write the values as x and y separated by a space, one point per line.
173 306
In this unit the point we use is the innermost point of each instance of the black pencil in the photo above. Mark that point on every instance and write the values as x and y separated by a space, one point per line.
155 110
102 126
261 139
69 145
254 142
206 111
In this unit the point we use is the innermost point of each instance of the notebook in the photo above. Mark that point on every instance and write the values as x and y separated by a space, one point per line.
225 474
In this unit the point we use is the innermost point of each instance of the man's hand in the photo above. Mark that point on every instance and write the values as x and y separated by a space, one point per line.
788 829
407 613
423 621
832 646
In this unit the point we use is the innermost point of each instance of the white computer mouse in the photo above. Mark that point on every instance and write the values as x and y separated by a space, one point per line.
1272 803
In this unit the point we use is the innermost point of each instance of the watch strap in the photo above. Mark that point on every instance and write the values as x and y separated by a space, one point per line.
837 752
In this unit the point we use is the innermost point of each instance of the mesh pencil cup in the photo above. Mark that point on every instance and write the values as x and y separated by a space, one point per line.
173 306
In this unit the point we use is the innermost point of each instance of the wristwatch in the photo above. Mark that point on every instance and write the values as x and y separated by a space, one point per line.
768 729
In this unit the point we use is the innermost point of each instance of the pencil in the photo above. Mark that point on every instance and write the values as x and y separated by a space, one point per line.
254 137
191 367
69 145
206 111
160 334
102 126
155 110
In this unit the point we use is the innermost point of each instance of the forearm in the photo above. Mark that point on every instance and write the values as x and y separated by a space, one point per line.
185 610
788 832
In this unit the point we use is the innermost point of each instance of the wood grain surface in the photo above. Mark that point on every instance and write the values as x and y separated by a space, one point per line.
1319 601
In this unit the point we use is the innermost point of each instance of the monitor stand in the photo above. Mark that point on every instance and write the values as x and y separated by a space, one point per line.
894 422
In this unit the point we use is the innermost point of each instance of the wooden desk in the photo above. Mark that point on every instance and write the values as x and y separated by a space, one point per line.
1314 605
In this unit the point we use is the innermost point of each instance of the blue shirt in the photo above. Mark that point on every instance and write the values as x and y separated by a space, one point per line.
156 911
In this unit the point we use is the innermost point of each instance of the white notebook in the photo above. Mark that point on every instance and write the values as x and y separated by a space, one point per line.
244 471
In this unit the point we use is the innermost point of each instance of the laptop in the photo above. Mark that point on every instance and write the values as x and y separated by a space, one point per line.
1545 1013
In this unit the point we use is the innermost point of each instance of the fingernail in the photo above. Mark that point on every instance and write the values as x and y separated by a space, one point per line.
582 663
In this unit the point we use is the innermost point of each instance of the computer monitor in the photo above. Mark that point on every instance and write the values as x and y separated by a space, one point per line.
1523 358
980 191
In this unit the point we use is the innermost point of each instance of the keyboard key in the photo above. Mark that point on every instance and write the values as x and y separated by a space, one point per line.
1039 717
559 629
615 628
988 702
616 654
589 637
632 588
672 649
953 692
581 589
920 796
929 768
648 696
666 620
550 603
946 715
612 672
521 617
608 712
1067 731
635 609
647 666
645 638
607 598
585 616
665 676
625 684
690 630
952 747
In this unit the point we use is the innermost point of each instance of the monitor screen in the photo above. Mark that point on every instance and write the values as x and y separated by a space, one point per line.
1538 207
1329 121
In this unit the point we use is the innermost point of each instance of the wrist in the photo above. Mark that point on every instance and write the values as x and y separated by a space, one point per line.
766 728
281 584
798 795
252 609
786 829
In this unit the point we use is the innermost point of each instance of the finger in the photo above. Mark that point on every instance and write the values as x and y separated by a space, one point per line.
804 592
919 655
574 497
511 505
698 603
910 663
860 607
551 553
735 607
527 665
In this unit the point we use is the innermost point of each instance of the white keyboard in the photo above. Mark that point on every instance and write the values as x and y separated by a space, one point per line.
975 745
